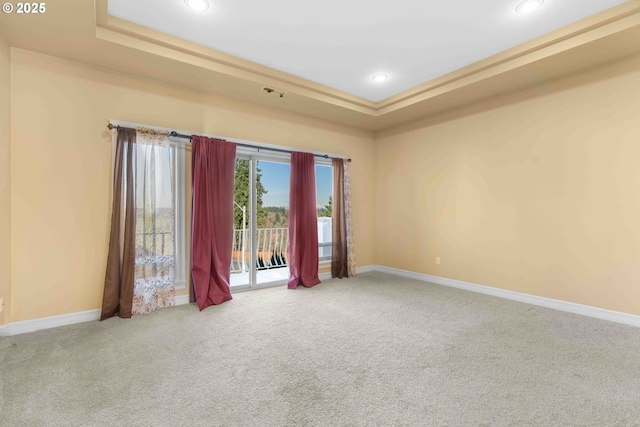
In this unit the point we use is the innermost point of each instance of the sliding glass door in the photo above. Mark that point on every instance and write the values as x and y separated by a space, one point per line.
261 222
241 258
272 221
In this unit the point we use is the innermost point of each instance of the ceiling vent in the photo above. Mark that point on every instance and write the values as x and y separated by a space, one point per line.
273 91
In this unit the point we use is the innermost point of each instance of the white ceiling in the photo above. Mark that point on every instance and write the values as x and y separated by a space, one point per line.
342 43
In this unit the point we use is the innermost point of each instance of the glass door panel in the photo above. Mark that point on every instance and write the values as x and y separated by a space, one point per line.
241 251
272 222
324 205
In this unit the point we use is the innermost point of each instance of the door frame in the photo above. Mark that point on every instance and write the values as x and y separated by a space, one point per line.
254 158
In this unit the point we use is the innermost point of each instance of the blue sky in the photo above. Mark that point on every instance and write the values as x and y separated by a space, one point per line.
275 179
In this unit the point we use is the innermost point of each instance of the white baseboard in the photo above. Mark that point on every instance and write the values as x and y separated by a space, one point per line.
366 269
16 328
25 326
570 307
324 276
182 299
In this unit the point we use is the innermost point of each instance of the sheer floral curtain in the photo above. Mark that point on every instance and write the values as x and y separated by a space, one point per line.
343 254
351 249
154 284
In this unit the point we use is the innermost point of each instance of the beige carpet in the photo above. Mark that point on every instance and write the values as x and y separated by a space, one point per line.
376 350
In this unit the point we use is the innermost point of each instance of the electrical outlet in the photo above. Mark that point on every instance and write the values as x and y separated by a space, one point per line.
1 304
437 260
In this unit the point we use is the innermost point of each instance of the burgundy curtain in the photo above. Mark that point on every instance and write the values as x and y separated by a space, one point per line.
303 222
213 166
117 298
339 229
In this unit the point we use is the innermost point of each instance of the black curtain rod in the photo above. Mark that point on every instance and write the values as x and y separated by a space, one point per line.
279 150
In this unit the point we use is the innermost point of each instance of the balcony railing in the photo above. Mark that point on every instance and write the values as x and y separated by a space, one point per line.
272 247
272 244
154 254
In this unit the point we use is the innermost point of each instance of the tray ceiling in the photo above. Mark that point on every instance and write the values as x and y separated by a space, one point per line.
335 49
343 43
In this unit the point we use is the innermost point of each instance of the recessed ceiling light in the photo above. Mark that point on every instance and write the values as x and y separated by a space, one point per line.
199 5
379 77
529 6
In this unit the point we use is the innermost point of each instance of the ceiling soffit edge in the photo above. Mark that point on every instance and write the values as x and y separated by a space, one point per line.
608 22
223 62
603 24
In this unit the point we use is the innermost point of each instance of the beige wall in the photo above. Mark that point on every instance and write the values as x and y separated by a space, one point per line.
537 192
5 178
61 156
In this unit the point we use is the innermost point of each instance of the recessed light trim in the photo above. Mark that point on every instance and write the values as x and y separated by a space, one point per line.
199 5
528 6
379 77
